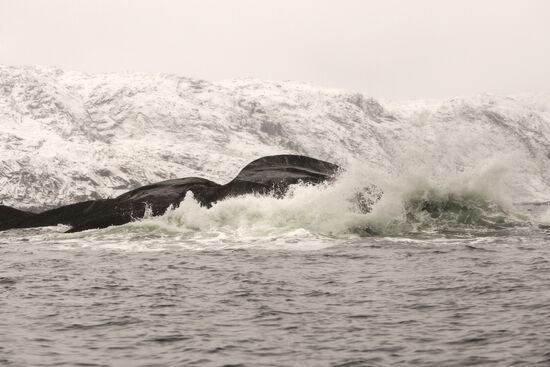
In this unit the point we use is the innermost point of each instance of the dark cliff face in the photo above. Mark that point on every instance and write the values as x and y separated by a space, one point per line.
268 175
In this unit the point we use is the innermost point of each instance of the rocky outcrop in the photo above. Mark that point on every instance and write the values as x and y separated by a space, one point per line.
265 176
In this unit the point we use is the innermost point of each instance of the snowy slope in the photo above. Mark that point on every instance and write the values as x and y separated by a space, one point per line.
69 136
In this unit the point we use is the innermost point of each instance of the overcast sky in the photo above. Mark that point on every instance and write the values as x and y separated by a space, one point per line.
391 49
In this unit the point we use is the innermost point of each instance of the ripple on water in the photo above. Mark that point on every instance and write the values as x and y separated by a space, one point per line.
426 301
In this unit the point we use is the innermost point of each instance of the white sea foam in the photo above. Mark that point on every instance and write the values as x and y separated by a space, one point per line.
312 217
477 199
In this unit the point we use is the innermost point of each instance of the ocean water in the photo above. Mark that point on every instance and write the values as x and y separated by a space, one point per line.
451 273
424 299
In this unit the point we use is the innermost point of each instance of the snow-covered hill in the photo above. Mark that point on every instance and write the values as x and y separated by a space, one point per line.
69 136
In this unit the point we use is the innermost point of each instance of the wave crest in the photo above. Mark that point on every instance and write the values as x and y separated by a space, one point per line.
357 203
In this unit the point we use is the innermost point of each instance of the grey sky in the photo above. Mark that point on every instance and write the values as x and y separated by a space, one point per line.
384 48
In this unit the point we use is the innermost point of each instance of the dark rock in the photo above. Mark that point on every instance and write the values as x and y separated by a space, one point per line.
8 214
266 176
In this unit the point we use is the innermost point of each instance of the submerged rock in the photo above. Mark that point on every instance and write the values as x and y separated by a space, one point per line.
268 175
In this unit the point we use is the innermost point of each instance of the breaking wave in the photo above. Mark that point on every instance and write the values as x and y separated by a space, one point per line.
360 202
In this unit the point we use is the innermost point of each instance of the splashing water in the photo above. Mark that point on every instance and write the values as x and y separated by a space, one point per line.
360 202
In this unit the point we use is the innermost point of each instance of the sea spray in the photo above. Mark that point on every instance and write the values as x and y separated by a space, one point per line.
360 202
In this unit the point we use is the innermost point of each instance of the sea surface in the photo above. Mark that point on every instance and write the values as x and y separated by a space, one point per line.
135 297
